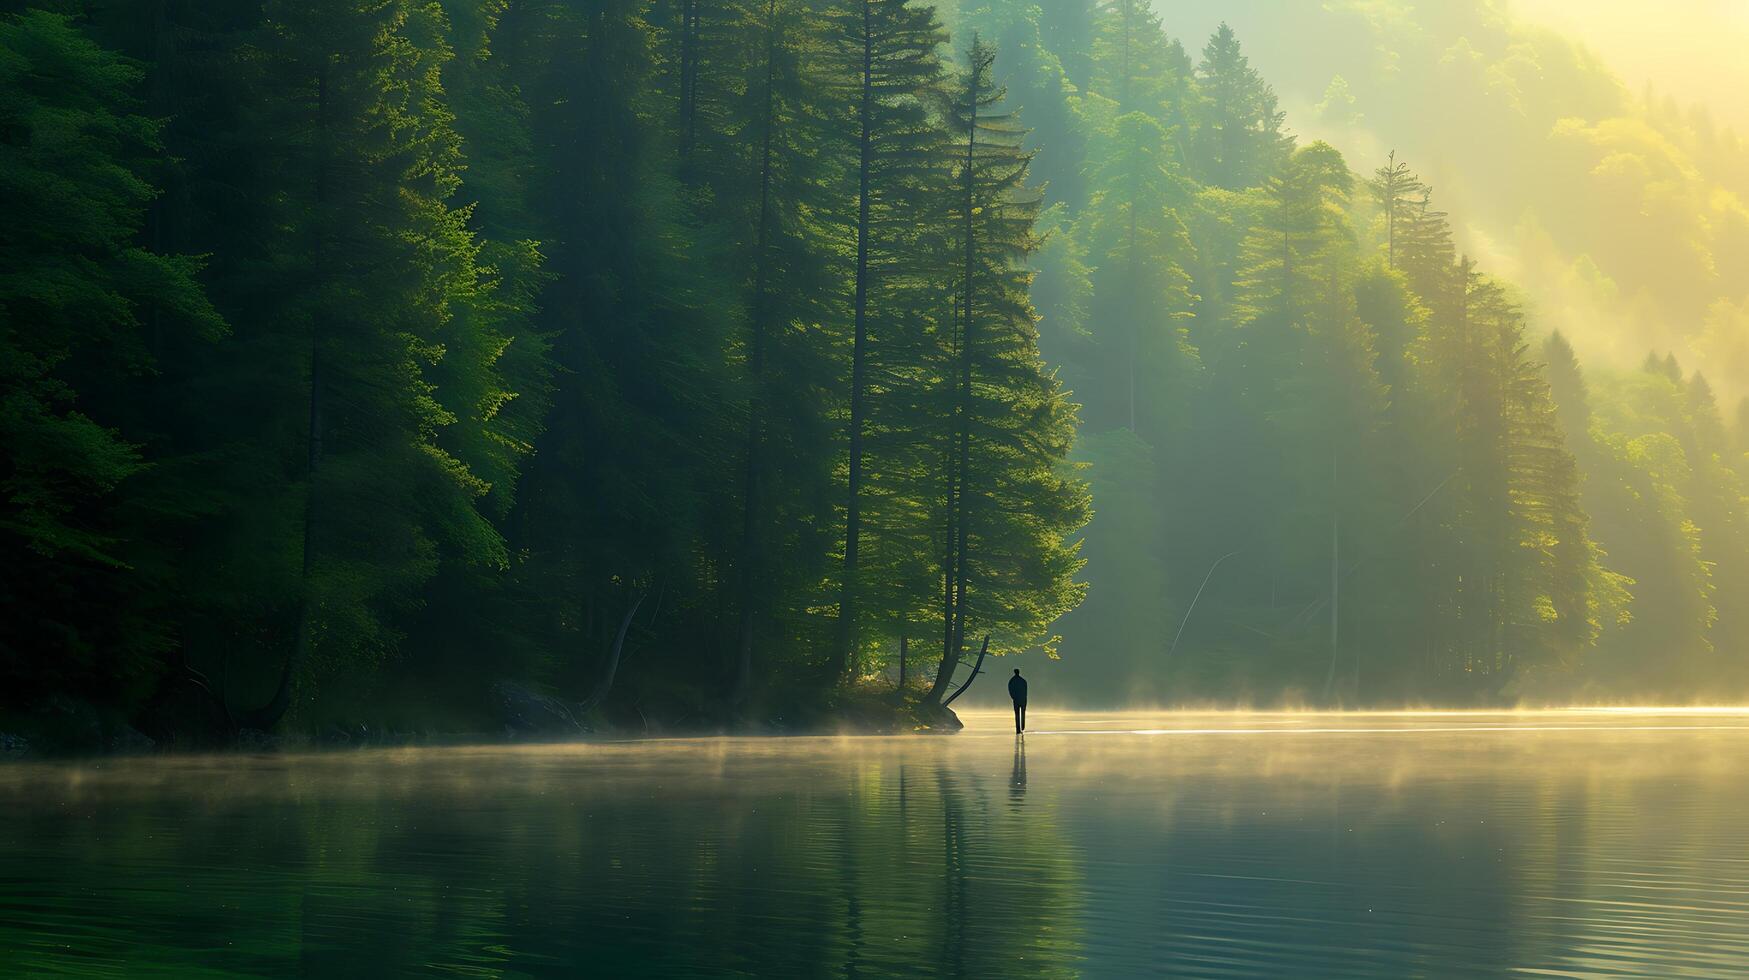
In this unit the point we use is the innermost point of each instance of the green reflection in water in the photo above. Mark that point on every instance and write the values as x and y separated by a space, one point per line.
802 857
1219 845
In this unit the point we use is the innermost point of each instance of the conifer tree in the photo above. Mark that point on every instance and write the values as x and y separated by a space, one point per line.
1013 507
1236 139
1295 250
1397 190
619 512
762 148
1139 249
891 49
83 312
1136 66
384 494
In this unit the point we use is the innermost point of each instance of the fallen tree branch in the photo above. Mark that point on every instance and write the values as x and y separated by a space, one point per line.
182 673
606 683
977 668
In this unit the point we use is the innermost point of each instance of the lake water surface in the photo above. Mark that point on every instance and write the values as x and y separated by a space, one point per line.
1579 843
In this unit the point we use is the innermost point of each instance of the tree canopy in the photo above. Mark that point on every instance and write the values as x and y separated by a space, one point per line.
695 362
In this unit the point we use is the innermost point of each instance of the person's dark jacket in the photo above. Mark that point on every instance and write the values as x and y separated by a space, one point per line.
1017 689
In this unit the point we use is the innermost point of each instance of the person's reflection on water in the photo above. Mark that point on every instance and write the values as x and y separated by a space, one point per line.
1017 691
1017 784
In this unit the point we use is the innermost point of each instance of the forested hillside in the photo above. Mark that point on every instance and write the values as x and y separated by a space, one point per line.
1619 210
1351 448
681 359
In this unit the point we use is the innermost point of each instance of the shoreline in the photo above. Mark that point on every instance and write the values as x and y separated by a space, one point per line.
36 737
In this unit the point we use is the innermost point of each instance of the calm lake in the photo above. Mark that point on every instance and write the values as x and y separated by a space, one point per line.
1578 843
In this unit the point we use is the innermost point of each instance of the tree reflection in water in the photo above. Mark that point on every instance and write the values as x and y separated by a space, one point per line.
1247 844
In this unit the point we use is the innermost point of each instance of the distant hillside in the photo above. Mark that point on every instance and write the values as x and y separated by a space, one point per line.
1624 220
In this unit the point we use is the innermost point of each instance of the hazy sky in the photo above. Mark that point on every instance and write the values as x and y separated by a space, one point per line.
1696 50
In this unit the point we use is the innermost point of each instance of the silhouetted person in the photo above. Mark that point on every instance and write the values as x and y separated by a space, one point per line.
1017 691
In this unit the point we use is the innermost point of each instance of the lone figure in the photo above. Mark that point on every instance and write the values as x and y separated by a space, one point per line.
1017 691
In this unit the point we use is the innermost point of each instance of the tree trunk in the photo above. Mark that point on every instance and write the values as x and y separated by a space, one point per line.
1123 91
268 715
164 55
958 536
949 568
1287 277
751 499
688 79
967 338
1335 588
977 668
1133 312
902 654
1391 192
853 512
605 685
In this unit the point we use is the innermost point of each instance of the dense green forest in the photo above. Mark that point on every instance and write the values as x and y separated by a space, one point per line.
1621 212
717 362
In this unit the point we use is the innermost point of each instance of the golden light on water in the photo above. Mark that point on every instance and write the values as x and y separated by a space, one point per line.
1589 841
1614 718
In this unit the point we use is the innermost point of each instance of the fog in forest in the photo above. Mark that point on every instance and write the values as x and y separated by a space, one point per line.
662 365
1603 213
1608 184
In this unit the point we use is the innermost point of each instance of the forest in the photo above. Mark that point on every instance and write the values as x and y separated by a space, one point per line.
395 365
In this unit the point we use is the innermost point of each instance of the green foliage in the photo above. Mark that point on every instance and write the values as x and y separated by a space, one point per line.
385 298
1355 444
1136 65
889 49
684 359
1017 504
1140 292
83 308
1236 140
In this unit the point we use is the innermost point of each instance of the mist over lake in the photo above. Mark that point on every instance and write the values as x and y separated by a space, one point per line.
1593 843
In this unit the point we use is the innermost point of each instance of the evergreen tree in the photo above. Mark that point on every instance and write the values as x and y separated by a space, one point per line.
1139 248
385 494
1013 505
1070 27
772 187
1136 66
1295 253
619 510
891 48
1398 192
1236 139
1033 44
84 310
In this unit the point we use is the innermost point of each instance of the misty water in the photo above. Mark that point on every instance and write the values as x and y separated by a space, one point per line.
1565 843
